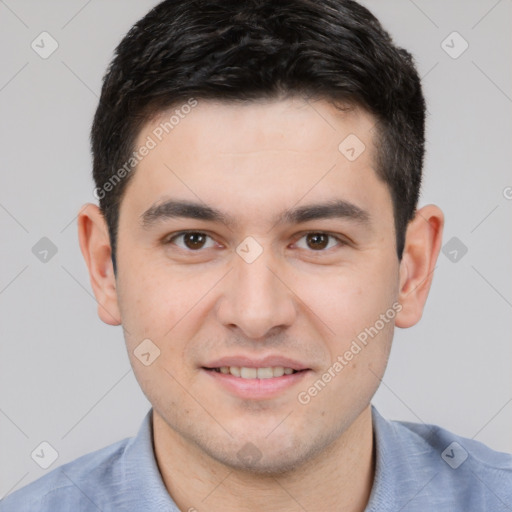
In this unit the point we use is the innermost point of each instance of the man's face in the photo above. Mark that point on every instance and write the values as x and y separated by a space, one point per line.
257 288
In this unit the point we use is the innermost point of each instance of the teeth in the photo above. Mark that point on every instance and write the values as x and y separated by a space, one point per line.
278 371
255 373
248 373
264 373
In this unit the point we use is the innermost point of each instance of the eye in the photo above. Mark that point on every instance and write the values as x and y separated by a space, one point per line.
319 241
192 240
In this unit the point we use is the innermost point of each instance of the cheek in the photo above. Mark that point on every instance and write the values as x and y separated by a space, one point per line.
163 304
348 300
164 309
147 306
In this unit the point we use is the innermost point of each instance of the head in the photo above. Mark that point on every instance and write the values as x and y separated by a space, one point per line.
289 138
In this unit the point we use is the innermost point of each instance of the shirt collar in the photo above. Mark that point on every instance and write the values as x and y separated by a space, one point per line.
403 465
141 474
397 467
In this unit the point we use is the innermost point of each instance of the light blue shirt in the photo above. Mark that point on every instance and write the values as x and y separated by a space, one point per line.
419 468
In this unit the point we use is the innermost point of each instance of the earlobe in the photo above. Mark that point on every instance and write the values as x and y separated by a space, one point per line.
422 246
96 250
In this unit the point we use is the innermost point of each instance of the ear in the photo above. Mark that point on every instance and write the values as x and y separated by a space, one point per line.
422 245
96 250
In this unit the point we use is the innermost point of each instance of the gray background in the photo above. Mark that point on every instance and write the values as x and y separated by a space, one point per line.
65 377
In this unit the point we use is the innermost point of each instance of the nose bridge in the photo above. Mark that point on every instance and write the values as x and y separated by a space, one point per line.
255 283
255 300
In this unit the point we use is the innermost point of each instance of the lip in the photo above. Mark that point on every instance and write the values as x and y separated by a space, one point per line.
257 362
255 389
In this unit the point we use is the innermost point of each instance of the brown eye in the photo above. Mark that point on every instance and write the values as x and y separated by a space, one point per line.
192 240
317 240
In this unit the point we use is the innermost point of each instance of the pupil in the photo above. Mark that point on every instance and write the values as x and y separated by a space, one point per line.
317 240
194 240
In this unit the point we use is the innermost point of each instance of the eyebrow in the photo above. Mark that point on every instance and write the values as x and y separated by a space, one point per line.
332 209
173 208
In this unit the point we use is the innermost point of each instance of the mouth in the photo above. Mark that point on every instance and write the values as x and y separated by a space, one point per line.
245 372
255 380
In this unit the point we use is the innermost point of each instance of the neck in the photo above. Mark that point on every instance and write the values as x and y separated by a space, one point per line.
338 478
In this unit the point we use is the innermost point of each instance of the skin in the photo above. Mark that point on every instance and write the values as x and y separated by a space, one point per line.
308 303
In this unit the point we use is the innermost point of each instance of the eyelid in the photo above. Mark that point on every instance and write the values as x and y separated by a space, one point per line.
168 239
340 241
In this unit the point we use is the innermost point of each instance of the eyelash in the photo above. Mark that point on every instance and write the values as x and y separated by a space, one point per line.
340 242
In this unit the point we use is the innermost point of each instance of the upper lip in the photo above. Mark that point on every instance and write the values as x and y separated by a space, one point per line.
256 362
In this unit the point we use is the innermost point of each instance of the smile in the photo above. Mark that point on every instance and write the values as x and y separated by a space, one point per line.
245 372
255 383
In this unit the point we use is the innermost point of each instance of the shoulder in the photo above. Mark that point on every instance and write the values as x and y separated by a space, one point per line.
63 487
455 451
442 469
456 447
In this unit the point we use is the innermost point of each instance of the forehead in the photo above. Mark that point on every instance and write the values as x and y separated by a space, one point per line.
259 152
258 125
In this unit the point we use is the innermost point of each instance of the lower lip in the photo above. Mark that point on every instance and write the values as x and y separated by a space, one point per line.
256 388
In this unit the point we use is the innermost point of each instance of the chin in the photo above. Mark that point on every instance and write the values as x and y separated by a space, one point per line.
271 457
276 465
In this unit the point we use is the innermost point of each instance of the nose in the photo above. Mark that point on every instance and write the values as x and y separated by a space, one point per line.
256 298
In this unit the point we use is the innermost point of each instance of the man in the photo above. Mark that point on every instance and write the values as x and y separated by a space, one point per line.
258 166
